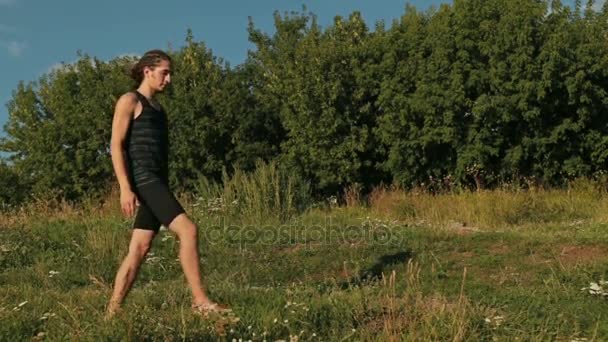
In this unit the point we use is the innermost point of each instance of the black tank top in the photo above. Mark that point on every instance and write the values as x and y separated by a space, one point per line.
148 145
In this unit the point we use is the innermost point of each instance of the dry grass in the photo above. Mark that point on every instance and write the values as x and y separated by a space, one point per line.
407 314
492 209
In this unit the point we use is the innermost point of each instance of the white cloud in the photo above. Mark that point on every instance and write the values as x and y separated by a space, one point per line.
56 67
7 2
65 65
7 29
130 55
598 5
15 48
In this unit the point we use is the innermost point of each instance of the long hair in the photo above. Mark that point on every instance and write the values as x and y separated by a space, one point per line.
150 59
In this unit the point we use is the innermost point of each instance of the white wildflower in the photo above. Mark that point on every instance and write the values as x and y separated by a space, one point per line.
153 259
597 288
46 316
18 307
495 321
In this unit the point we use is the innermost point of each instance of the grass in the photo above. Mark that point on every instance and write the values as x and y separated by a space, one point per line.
497 265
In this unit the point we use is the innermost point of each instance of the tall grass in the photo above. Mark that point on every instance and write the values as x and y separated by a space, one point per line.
581 200
268 194
409 314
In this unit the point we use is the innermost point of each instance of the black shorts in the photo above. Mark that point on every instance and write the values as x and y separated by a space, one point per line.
157 205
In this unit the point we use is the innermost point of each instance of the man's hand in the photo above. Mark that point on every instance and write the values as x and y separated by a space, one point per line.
128 202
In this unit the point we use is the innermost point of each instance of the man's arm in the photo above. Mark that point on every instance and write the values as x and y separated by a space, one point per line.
125 107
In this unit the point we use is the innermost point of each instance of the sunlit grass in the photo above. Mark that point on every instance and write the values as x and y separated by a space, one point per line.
395 265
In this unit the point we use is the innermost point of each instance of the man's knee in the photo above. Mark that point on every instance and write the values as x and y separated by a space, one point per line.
188 231
184 228
139 250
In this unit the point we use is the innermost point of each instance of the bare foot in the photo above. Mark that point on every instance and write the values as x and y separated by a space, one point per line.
209 307
112 309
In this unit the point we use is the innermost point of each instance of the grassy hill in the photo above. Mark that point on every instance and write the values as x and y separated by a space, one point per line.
497 265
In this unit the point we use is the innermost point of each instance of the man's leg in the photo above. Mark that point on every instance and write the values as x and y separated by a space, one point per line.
141 240
168 210
186 231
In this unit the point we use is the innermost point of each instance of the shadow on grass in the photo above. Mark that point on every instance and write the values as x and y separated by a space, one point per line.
374 273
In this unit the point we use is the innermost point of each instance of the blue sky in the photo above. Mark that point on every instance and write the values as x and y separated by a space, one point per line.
36 35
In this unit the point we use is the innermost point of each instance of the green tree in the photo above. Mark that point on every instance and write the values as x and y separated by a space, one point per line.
59 128
422 97
199 135
319 78
14 191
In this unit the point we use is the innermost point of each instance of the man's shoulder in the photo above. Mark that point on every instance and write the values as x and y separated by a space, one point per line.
127 100
128 97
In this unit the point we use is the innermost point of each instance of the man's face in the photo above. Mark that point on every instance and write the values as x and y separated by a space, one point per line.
159 76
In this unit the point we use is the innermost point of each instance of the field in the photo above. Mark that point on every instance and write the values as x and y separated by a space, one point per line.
502 265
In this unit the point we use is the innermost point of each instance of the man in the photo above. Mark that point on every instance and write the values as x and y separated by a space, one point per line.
139 149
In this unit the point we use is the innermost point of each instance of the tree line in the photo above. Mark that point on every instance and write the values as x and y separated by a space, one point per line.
474 93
